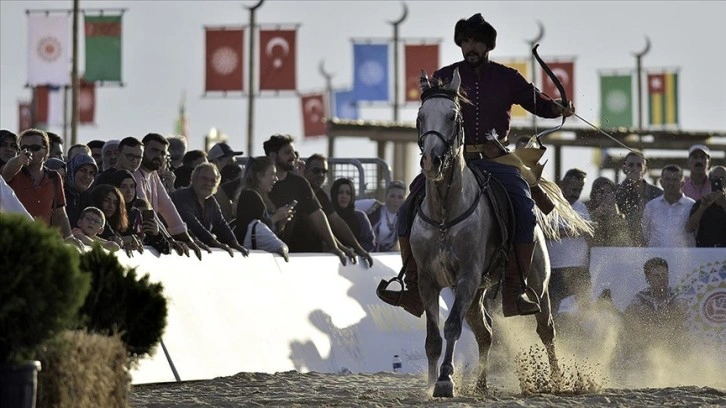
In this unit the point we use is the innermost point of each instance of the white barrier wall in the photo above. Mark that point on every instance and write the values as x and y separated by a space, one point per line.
261 314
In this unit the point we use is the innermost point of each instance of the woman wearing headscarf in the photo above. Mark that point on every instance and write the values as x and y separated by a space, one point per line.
342 193
80 172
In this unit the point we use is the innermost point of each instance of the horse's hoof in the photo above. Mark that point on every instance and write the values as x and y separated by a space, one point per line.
444 389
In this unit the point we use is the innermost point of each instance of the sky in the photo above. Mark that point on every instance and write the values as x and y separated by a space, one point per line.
163 57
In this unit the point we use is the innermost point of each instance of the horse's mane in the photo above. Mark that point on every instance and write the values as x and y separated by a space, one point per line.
438 86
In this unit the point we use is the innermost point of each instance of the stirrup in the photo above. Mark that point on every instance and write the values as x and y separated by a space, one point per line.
536 302
392 297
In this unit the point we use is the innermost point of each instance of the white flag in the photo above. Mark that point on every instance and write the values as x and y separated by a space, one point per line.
49 49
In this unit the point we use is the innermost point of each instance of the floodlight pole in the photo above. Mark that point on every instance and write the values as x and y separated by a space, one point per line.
639 79
329 103
74 76
399 148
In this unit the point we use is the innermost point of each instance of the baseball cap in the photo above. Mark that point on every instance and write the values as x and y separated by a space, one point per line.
220 150
700 147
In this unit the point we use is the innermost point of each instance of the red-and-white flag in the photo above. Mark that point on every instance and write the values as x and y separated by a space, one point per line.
565 72
277 59
49 49
86 103
25 116
48 106
313 111
419 57
224 61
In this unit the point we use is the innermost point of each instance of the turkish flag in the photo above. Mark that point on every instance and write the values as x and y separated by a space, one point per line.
418 57
86 103
313 110
565 72
277 59
25 116
224 51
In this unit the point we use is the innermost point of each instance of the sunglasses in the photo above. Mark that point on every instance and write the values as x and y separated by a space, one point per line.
318 170
32 148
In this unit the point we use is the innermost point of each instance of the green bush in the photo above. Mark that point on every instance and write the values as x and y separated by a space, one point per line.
41 286
120 303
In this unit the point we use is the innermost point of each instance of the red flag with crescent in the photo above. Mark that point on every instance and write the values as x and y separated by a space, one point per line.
565 72
87 103
313 111
224 62
419 57
25 116
277 60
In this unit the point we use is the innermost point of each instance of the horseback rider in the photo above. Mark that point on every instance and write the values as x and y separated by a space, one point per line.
492 89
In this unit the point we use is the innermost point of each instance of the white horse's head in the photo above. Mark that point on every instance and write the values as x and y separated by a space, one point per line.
439 123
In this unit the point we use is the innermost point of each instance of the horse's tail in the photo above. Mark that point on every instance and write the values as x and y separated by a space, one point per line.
563 216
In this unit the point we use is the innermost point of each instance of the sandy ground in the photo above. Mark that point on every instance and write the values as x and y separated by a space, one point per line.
292 389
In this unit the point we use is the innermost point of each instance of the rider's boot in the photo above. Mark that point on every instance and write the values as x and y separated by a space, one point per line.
409 299
515 301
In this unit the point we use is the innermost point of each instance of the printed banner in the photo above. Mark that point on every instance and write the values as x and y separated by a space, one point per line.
346 106
313 111
49 49
616 101
370 72
224 61
48 103
277 60
522 66
565 72
663 98
103 48
87 103
417 58
25 116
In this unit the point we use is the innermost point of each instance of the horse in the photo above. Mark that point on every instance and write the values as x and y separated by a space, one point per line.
457 242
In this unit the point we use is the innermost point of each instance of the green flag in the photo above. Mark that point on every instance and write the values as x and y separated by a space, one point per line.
103 48
616 101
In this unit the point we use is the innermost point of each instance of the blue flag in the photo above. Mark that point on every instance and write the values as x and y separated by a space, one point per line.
370 70
346 106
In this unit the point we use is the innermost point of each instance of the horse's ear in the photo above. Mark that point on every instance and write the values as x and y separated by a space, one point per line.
425 84
456 80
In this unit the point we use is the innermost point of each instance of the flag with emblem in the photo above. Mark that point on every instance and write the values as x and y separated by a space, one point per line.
565 72
48 106
25 116
346 107
49 49
616 100
103 48
87 103
522 66
370 72
417 58
277 60
663 98
313 111
224 51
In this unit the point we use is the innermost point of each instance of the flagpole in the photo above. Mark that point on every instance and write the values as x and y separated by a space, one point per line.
328 106
638 72
74 76
532 43
399 148
251 76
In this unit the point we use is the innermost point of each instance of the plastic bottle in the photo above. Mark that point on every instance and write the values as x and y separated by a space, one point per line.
397 364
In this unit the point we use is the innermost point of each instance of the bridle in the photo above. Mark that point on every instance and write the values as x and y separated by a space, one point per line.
455 140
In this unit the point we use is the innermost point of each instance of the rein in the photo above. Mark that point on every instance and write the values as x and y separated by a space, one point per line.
449 157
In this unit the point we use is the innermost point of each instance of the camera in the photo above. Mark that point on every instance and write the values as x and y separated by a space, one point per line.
716 184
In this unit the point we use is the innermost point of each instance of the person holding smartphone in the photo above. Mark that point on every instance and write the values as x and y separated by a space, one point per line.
708 215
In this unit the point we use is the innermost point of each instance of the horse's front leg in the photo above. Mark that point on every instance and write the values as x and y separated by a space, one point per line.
430 297
465 290
546 332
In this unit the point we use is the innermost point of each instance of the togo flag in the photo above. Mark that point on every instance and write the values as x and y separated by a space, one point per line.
103 48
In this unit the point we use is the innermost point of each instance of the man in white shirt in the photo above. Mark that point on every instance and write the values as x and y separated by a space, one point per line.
569 255
665 217
9 202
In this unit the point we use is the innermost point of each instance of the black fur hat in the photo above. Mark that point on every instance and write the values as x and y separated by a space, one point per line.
477 28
